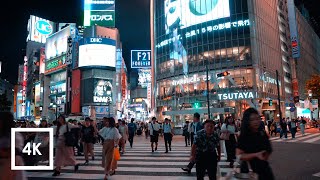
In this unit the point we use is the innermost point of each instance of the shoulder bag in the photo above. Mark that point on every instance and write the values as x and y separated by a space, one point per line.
155 133
70 138
224 135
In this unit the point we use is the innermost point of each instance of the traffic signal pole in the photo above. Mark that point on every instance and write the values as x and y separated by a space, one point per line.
208 99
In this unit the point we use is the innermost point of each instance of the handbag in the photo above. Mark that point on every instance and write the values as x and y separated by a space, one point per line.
225 135
116 154
70 138
234 175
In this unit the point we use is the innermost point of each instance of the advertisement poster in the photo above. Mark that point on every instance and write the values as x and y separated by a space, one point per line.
42 61
57 44
39 29
102 91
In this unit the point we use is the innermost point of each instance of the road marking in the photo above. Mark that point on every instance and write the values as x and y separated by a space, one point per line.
305 137
317 174
313 139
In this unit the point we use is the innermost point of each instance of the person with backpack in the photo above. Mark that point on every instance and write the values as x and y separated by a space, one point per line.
132 128
168 133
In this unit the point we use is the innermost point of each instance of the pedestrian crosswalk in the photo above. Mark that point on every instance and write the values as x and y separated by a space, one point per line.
312 138
138 163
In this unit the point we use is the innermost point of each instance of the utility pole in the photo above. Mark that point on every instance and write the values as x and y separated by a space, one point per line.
208 99
278 89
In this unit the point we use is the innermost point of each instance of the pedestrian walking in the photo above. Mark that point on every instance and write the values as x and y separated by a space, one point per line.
132 128
77 132
6 123
146 129
230 128
186 133
254 146
206 151
154 133
283 131
124 132
273 128
195 126
88 134
64 153
293 128
167 133
111 137
302 125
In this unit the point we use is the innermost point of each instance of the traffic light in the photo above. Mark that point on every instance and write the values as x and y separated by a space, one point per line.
225 73
270 102
196 105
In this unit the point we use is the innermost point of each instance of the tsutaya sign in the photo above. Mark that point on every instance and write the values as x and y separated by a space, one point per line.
238 95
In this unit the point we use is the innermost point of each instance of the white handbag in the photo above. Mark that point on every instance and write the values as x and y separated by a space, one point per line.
234 175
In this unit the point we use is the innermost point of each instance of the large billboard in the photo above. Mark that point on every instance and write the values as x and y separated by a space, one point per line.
39 29
57 44
99 12
140 58
37 95
97 52
42 61
185 13
56 49
102 92
144 77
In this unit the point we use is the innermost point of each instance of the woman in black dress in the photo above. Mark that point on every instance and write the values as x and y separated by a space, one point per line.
254 145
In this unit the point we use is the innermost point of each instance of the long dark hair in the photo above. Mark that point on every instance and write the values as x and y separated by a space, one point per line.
6 121
59 124
245 125
112 122
227 121
40 125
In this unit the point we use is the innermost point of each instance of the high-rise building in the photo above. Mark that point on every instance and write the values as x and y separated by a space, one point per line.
223 54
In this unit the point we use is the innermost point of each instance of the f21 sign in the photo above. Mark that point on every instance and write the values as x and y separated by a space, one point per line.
140 58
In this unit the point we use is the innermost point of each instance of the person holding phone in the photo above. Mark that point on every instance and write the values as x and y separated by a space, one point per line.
254 146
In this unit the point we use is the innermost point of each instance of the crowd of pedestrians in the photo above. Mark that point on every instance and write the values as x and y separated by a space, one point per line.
246 141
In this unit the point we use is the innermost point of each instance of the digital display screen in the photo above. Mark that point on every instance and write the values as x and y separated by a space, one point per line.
99 12
57 44
185 13
97 52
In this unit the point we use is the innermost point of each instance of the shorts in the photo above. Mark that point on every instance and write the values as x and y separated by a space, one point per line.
154 138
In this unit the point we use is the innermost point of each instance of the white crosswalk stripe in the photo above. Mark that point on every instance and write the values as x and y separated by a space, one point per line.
137 163
312 138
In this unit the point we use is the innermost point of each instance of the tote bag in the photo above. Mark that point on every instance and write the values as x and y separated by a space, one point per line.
70 138
116 154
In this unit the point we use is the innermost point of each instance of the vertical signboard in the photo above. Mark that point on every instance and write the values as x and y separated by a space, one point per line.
69 51
75 91
293 29
149 93
42 61
99 12
15 99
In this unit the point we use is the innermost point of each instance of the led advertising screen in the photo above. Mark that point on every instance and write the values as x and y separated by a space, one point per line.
185 13
39 29
140 58
97 52
42 61
144 77
102 92
99 12
57 44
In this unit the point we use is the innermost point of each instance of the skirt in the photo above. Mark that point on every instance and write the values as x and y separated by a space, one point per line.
108 161
64 155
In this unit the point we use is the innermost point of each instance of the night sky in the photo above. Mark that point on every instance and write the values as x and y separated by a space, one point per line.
132 20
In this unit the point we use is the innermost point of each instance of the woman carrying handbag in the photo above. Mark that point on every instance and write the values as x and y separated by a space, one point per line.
254 146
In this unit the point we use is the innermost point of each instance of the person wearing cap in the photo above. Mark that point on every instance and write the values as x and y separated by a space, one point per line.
87 138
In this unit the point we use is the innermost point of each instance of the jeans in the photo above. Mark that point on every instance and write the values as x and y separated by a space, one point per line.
302 128
131 135
187 138
293 132
283 132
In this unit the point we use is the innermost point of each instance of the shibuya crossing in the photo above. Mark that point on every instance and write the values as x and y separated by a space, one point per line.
224 55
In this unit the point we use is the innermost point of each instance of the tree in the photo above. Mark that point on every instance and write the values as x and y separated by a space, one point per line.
5 104
313 84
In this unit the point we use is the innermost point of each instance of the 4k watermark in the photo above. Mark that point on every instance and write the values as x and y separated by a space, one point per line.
31 148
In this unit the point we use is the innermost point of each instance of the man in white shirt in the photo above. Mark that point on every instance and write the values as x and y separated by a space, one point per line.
154 133
167 132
